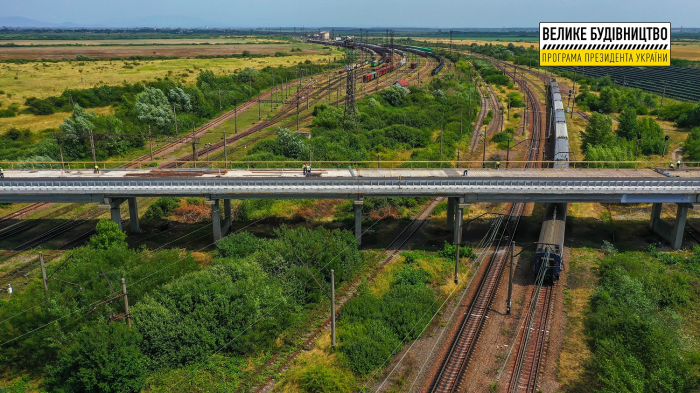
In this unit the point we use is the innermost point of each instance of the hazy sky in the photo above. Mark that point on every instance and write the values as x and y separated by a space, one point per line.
360 13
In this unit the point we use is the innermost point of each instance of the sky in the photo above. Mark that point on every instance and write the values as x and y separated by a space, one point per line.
359 13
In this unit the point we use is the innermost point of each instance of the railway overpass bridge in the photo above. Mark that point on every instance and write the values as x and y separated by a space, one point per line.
111 188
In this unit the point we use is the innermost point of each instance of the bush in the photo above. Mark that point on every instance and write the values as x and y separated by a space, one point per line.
372 328
7 113
105 357
161 208
185 321
108 235
394 95
323 379
635 326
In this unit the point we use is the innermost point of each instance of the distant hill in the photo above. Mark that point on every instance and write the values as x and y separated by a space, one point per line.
18 21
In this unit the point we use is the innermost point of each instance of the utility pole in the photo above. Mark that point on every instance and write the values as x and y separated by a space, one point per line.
235 116
150 141
220 107
225 152
92 147
442 128
60 151
332 308
126 303
508 108
194 144
665 141
43 270
175 113
510 278
259 109
483 161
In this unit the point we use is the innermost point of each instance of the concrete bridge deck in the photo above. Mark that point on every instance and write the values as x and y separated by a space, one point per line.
362 172
112 188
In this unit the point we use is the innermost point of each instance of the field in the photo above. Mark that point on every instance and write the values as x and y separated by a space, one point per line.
21 81
111 49
689 50
144 41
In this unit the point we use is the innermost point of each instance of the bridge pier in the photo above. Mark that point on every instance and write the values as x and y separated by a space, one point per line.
673 234
215 218
227 216
457 233
114 206
357 207
451 202
134 215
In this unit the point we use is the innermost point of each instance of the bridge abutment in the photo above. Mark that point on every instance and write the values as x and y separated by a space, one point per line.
673 234
357 207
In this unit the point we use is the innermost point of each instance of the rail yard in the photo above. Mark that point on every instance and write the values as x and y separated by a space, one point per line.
346 210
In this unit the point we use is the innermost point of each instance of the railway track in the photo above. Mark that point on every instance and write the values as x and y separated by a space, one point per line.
285 113
450 374
278 363
532 343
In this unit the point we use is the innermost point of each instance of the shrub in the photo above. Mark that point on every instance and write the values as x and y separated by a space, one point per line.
324 379
105 357
161 208
7 113
186 320
367 346
108 235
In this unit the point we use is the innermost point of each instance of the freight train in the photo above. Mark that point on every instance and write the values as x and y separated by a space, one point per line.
549 259
550 246
557 133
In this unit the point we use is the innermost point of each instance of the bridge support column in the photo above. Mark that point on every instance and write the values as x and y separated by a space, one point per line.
357 207
673 234
113 205
134 215
227 216
215 218
457 233
450 212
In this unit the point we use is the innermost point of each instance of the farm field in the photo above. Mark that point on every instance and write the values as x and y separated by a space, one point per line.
21 81
143 41
96 51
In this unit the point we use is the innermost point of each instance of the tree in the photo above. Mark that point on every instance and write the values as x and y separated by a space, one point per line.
598 131
691 149
105 357
152 107
75 140
248 74
628 127
690 118
609 99
291 144
652 136
394 95
108 235
180 99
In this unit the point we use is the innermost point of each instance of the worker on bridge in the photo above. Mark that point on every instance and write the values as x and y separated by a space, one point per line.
678 164
304 169
671 166
96 170
498 165
2 173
